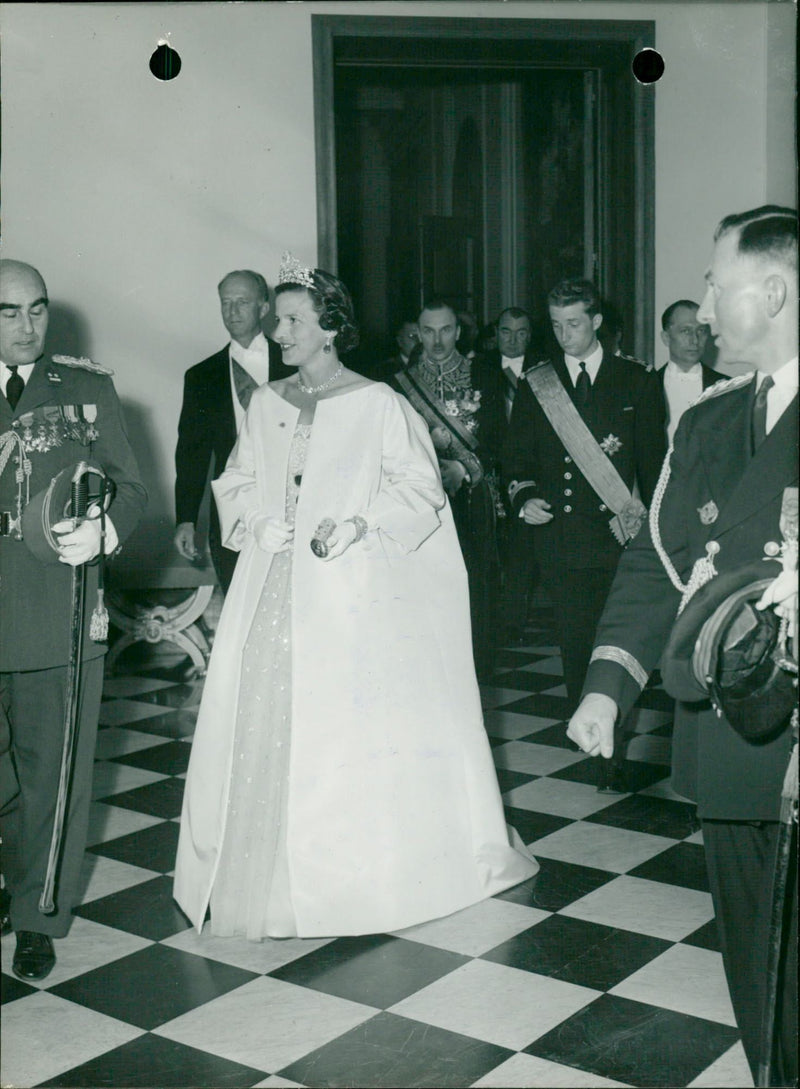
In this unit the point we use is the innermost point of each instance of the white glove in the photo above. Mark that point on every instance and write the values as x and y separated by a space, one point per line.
81 545
271 534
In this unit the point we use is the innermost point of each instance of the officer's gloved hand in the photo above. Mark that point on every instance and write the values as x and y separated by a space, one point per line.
82 545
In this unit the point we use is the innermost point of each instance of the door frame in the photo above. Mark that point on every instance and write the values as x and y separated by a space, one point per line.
329 30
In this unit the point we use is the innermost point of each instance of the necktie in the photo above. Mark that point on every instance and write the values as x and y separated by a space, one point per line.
243 383
583 387
14 387
759 431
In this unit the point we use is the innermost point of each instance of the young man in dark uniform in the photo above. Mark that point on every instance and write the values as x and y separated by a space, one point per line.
54 412
621 405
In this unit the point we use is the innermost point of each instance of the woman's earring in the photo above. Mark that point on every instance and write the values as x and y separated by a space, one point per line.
327 346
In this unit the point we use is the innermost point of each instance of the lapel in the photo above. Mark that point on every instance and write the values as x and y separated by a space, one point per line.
743 483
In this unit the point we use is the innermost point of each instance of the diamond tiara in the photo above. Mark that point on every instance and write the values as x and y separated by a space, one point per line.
292 272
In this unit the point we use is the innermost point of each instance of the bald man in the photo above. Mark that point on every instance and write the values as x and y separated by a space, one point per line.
54 412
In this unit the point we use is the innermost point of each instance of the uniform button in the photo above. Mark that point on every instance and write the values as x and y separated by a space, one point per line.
15 423
568 476
567 460
568 509
603 506
568 491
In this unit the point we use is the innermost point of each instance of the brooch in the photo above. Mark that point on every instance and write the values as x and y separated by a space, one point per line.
708 513
610 445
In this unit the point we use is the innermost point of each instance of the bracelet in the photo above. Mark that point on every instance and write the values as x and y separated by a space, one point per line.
360 524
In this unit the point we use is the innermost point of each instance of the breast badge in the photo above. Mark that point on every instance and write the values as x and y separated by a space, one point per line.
611 445
708 513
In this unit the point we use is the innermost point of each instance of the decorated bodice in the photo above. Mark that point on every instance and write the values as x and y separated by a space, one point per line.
298 451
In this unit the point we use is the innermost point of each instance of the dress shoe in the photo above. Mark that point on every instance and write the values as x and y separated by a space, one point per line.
35 957
611 780
5 913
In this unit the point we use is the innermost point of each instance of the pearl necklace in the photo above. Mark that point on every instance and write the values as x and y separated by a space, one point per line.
325 385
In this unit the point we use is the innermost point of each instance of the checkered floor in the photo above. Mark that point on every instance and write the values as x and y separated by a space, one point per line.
601 971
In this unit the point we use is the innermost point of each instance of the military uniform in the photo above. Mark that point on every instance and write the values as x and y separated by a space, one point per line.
725 503
68 411
576 551
475 505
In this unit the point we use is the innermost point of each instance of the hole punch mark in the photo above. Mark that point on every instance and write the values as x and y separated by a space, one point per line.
648 66
165 63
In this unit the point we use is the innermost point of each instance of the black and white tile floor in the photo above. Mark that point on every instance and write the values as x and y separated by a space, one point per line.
601 971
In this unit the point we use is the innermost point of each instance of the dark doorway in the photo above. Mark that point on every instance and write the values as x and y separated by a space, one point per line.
483 160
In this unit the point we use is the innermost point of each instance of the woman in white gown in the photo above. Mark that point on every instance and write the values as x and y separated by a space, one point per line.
340 781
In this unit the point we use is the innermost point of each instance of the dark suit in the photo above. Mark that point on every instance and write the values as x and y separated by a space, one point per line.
577 552
516 538
35 610
734 782
206 434
708 375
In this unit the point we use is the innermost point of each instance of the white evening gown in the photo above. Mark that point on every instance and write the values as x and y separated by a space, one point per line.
251 895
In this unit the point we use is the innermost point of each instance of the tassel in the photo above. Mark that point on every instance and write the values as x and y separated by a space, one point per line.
98 625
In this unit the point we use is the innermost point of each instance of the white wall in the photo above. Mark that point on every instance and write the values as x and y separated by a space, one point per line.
134 196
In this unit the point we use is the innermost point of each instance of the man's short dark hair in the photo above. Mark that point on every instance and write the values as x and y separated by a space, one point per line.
439 302
570 291
768 231
258 280
515 312
666 317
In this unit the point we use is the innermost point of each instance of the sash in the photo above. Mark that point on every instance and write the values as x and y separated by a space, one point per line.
244 384
461 443
586 452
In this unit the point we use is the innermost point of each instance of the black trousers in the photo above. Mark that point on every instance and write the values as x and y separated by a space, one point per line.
34 704
223 559
579 596
474 516
740 857
519 570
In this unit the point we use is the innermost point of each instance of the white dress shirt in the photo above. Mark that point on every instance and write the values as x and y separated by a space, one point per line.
516 365
592 362
782 393
255 360
682 388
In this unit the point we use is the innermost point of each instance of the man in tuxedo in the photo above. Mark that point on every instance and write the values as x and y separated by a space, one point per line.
216 393
684 377
727 501
55 413
514 355
554 455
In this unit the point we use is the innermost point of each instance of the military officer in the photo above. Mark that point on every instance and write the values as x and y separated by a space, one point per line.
54 412
576 419
726 498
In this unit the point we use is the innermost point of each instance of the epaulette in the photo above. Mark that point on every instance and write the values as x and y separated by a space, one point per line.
724 385
632 359
82 363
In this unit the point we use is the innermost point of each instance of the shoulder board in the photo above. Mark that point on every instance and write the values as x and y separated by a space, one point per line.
82 364
633 359
725 385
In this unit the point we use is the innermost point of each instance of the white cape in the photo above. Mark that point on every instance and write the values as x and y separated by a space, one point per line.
394 812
